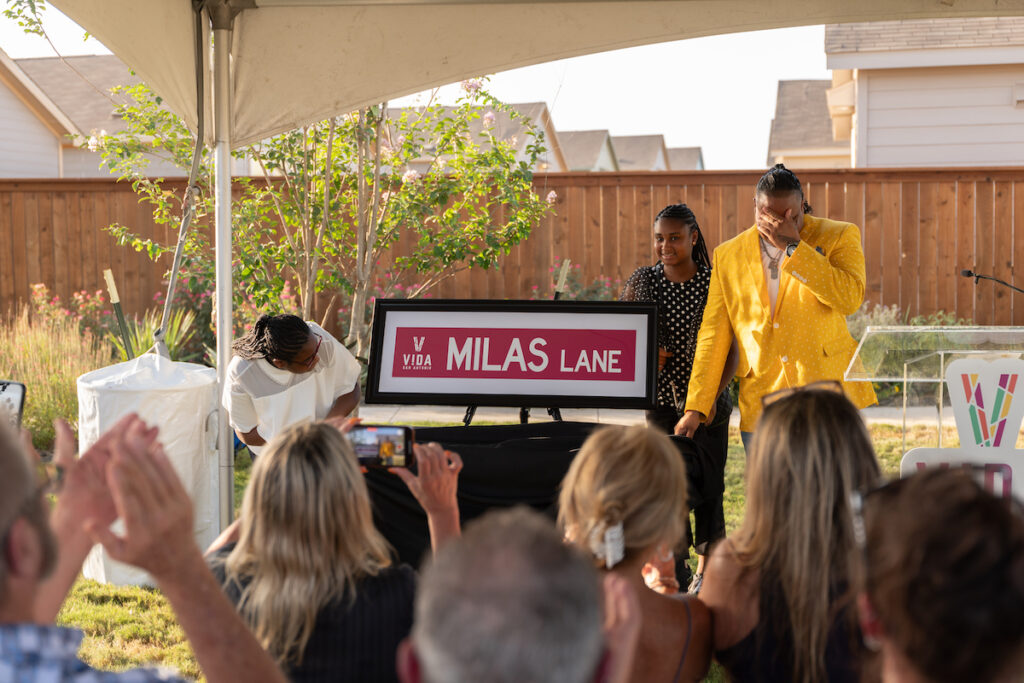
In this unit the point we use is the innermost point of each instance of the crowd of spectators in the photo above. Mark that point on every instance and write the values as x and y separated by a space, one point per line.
833 575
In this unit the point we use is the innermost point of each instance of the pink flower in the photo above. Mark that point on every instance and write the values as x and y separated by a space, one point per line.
551 198
471 85
489 118
411 176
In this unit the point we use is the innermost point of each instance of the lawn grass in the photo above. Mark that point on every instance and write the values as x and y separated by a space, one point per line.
126 627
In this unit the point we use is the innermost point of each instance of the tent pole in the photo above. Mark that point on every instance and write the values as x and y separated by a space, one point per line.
222 151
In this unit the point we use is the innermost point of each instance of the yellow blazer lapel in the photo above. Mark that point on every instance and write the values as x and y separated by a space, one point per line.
752 259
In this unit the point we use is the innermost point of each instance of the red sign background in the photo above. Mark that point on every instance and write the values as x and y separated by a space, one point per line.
490 353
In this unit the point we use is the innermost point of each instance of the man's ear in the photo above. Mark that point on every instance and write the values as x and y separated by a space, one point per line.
870 625
23 550
407 663
277 363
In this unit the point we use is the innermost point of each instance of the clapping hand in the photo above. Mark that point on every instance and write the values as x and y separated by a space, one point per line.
151 502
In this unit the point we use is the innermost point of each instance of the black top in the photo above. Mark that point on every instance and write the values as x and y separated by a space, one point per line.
354 642
765 655
680 310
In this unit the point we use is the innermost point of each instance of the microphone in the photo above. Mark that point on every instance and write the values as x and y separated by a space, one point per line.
977 276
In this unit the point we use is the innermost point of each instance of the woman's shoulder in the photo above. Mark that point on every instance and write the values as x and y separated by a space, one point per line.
731 592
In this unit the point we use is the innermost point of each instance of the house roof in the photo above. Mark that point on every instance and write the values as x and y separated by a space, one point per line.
638 152
917 34
84 97
582 148
801 117
686 158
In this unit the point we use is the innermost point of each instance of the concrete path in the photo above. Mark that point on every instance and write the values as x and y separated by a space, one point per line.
414 415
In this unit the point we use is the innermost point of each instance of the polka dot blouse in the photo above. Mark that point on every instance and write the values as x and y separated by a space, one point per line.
680 309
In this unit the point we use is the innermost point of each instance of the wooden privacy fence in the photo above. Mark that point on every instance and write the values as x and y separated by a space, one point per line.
920 228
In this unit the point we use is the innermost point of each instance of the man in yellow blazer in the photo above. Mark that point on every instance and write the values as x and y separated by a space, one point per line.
783 289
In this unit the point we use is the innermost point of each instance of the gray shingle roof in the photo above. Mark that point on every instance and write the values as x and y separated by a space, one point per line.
879 36
686 158
638 152
801 117
582 148
87 106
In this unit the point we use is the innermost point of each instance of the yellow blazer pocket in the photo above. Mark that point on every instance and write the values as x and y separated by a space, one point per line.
839 346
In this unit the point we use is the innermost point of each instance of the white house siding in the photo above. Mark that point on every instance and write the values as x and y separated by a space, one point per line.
29 148
943 116
81 163
605 159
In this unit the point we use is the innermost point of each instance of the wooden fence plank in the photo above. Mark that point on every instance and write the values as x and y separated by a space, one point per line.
592 234
44 216
872 229
8 301
946 237
60 240
984 310
31 218
891 244
965 218
20 266
927 249
1002 244
837 202
909 249
1018 252
713 211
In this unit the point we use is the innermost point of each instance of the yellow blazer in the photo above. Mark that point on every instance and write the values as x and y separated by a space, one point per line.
806 341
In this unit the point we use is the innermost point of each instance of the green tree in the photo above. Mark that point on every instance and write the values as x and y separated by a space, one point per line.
331 199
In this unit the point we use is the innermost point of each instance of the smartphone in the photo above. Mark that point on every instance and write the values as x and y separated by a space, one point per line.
12 402
383 445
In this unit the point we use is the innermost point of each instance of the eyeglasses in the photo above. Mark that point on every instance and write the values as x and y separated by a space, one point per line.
308 363
832 385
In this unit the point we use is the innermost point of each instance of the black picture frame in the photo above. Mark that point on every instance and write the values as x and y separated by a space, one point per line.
383 307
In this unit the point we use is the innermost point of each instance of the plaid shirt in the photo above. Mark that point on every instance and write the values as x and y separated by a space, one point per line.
30 653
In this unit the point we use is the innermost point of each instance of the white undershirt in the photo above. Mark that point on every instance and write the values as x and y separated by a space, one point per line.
773 284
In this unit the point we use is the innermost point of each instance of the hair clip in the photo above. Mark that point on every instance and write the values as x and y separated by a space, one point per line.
609 546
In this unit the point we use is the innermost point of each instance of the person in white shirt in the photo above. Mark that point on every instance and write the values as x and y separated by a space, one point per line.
284 371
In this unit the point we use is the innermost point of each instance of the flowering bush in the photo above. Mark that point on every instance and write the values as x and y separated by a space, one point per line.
90 311
602 288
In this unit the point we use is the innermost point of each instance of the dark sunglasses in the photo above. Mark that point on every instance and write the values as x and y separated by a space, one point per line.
833 385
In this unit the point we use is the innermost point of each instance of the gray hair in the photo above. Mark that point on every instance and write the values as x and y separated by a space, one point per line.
509 602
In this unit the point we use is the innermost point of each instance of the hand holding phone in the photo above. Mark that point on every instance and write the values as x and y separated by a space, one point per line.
383 445
12 402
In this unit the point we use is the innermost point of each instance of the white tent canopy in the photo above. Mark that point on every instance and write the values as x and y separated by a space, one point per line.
294 62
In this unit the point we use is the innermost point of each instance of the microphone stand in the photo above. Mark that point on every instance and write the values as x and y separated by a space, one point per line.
977 276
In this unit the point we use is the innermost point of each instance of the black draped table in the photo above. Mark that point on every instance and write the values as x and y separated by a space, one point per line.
507 465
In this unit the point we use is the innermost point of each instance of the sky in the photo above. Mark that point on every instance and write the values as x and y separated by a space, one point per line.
716 92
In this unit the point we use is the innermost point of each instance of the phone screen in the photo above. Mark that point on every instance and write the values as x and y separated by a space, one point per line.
12 401
382 445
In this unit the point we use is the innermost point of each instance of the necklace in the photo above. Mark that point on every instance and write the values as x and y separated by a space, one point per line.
773 261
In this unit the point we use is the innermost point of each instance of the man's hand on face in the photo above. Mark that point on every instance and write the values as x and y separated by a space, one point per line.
778 229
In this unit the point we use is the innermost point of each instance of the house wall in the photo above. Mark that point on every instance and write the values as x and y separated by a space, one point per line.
28 149
81 163
605 159
812 161
947 116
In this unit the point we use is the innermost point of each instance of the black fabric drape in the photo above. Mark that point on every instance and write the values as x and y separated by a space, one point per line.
508 465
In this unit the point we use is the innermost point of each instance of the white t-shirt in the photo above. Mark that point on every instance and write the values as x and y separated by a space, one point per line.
257 394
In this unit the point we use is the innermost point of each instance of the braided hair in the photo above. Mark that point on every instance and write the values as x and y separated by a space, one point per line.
274 337
682 213
780 180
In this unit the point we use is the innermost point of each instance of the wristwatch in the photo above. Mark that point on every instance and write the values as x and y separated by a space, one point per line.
791 247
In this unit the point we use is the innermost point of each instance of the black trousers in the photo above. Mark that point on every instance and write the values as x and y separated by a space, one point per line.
709 514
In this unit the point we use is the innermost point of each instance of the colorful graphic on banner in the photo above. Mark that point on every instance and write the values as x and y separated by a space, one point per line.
989 426
487 353
988 421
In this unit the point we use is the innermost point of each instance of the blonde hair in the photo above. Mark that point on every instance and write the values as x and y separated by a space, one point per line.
809 452
633 475
306 539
